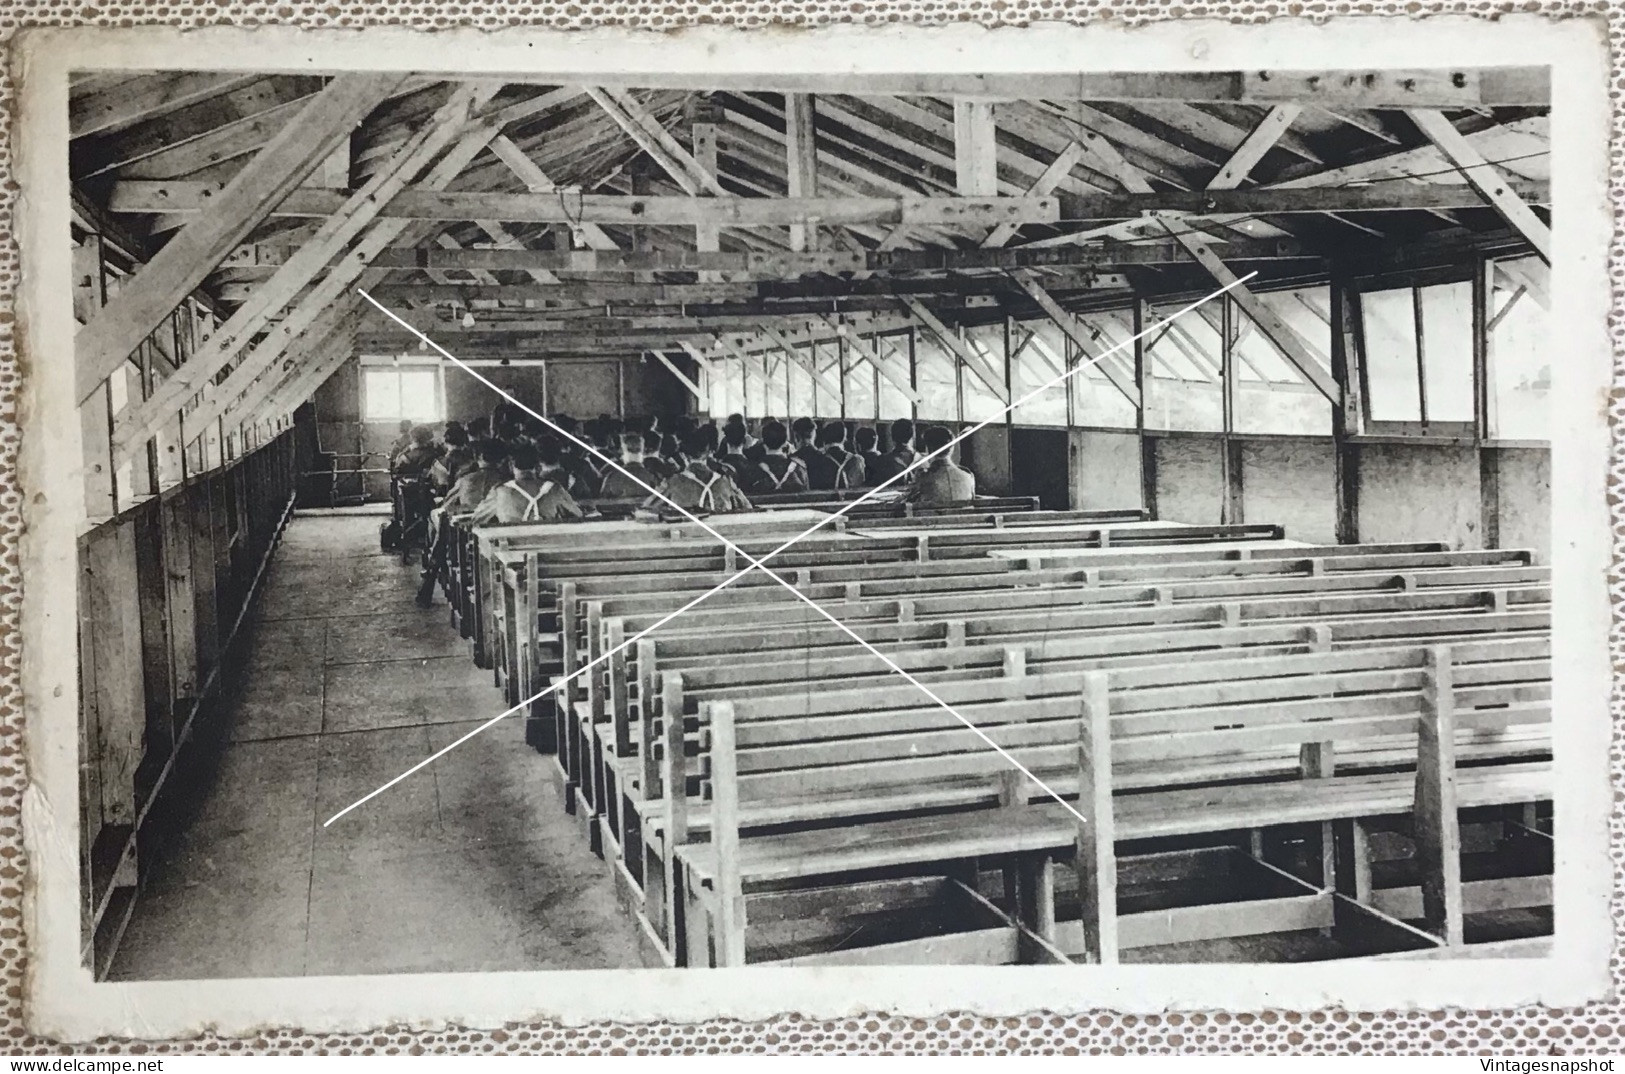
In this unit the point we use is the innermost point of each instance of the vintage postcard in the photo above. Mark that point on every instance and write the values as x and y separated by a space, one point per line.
620 525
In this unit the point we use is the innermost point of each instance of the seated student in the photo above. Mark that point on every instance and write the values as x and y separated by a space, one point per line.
403 441
586 471
804 432
529 497
834 467
653 459
736 425
902 453
941 480
697 487
617 485
467 493
866 443
416 460
780 471
735 443
458 460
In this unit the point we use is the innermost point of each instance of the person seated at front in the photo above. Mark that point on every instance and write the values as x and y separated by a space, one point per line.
698 488
804 437
779 470
617 484
834 467
529 497
901 456
416 460
941 480
866 443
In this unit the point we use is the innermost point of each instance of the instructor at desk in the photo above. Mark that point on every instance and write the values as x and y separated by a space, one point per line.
941 480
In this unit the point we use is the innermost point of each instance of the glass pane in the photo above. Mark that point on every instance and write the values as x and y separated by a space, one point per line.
801 390
893 403
826 359
1447 350
859 379
1096 399
1388 320
1272 396
1038 356
1182 388
981 404
1520 364
420 400
778 389
381 395
938 386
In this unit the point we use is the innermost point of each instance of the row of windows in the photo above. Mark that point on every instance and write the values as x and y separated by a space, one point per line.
1418 367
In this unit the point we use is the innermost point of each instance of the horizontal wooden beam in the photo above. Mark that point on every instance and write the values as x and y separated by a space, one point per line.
1388 88
577 209
780 264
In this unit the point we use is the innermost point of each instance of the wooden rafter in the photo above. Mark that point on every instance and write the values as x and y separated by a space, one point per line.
1063 320
1485 178
177 270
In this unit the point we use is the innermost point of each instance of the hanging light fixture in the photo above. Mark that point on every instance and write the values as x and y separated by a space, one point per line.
468 318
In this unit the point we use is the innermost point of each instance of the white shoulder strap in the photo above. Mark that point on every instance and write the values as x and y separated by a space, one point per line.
533 511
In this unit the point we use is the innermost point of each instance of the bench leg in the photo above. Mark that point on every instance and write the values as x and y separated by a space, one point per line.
1352 846
1035 906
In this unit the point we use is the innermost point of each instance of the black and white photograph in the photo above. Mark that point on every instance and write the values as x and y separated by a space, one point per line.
915 522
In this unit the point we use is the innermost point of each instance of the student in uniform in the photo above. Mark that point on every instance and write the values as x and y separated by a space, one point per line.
902 453
834 468
734 446
467 493
528 497
780 471
458 460
804 432
653 461
403 441
416 460
866 442
698 488
941 480
617 485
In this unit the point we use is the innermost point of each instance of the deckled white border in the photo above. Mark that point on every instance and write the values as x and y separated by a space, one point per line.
63 1001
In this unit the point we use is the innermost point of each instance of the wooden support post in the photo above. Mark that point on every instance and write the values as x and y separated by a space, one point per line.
800 144
1346 417
1436 820
614 641
1352 842
1095 859
729 925
177 269
1015 663
648 762
975 148
674 814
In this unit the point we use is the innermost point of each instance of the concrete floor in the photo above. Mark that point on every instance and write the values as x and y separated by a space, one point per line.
469 865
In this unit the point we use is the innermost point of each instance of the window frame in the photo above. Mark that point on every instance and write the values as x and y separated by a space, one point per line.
374 364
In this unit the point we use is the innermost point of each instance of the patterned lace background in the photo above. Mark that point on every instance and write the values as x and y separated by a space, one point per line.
1594 1029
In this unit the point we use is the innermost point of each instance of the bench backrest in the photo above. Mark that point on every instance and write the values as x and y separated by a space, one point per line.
1161 718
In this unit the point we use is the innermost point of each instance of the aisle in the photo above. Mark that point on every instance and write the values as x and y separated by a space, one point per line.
469 865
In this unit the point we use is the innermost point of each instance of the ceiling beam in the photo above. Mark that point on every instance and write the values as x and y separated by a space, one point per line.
142 420
187 259
538 182
779 265
126 104
1047 181
655 140
1259 141
687 381
801 164
1485 178
1385 88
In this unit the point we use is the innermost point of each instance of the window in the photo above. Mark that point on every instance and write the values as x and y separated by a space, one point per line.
1271 394
1417 345
801 404
401 393
980 403
859 380
893 350
1102 394
1183 359
1038 352
1520 365
938 379
826 358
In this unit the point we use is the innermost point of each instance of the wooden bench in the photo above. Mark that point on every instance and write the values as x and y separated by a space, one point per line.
796 798
597 735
